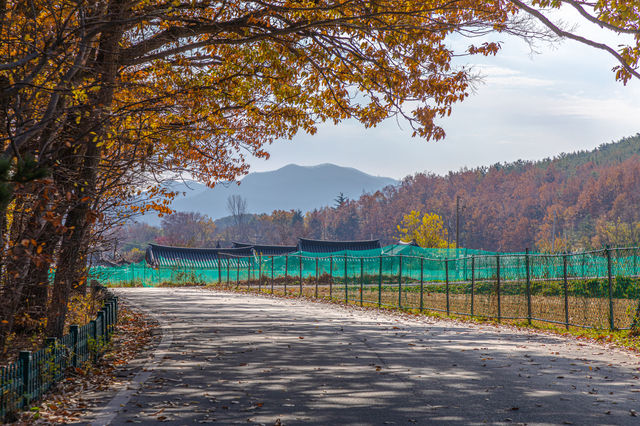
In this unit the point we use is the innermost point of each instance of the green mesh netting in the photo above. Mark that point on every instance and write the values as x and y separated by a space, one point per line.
591 289
408 262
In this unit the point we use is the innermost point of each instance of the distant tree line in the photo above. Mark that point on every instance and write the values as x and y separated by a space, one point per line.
571 202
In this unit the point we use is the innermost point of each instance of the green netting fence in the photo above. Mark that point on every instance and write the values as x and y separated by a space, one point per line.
595 289
25 380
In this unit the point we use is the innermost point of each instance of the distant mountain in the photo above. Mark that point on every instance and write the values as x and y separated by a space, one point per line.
291 187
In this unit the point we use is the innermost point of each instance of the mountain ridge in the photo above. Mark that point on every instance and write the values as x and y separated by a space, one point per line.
291 187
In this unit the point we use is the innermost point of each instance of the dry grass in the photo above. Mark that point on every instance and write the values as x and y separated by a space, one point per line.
583 311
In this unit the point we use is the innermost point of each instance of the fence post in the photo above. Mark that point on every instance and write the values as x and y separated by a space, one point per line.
566 290
400 283
228 272
446 281
101 328
100 331
380 283
107 320
219 272
73 330
473 280
25 361
421 283
272 262
331 277
346 289
300 274
610 282
112 314
260 273
635 261
528 282
237 272
286 272
361 279
111 320
115 309
317 278
51 343
248 273
498 285
466 259
109 306
93 333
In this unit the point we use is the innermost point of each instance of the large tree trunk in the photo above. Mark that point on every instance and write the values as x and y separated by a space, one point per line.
71 266
77 223
66 276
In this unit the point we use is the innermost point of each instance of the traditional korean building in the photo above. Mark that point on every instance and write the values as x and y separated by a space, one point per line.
158 256
325 246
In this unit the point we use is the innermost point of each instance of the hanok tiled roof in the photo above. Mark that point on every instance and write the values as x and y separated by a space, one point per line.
325 246
267 250
195 257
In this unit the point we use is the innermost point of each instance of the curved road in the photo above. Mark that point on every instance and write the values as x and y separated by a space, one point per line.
234 358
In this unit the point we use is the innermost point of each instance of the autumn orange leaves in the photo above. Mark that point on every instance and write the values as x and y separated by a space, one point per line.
113 97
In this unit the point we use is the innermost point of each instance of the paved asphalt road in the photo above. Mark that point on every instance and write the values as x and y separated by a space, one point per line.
234 358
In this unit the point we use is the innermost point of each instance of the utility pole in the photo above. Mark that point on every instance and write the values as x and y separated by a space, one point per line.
553 234
457 221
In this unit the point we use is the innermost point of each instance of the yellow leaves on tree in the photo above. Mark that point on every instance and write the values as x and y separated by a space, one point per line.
616 233
425 230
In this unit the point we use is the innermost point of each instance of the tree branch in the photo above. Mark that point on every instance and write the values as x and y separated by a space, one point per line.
562 33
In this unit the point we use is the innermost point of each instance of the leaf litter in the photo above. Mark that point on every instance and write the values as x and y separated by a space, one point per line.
67 401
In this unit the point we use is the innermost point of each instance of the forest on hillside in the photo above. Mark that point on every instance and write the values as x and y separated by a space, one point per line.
570 202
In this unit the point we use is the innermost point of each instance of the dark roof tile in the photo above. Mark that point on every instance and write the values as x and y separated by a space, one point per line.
268 250
325 246
158 255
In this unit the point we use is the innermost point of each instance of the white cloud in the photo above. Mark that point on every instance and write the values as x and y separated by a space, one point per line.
614 110
529 107
493 75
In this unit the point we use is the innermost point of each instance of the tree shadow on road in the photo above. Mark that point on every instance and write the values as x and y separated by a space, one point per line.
249 359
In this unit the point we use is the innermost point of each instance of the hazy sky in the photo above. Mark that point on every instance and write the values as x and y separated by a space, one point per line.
530 106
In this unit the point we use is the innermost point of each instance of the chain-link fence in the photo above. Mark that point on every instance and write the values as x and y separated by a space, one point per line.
596 289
